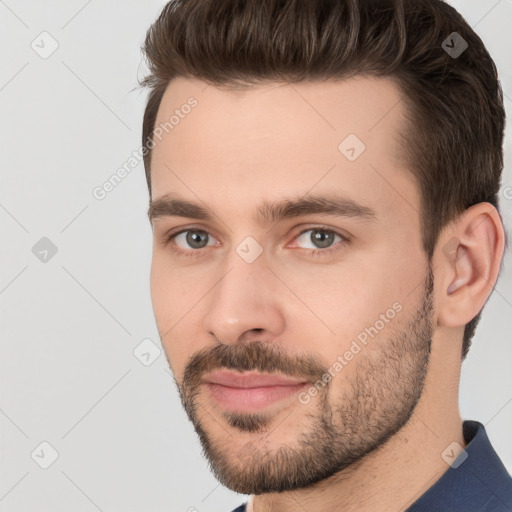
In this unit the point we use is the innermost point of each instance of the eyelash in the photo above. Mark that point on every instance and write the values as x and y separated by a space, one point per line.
194 253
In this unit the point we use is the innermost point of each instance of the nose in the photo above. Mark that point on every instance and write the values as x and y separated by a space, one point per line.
245 304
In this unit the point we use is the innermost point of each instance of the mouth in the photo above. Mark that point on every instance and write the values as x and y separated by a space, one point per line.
250 391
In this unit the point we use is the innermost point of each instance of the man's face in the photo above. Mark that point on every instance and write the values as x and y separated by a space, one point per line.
299 342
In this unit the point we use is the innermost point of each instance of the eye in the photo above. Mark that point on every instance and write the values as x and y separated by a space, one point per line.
188 239
321 240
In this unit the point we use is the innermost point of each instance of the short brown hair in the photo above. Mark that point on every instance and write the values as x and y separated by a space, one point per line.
453 141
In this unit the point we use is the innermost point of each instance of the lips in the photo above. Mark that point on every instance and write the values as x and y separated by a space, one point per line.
250 392
250 380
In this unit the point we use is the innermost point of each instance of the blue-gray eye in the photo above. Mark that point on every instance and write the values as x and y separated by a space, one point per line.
321 238
194 239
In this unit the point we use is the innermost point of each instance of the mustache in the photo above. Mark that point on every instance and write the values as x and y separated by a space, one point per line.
254 356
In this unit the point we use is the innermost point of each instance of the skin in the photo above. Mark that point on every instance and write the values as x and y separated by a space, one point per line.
372 439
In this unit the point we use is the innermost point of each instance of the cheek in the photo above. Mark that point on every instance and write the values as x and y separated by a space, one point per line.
175 295
350 304
173 291
177 359
164 302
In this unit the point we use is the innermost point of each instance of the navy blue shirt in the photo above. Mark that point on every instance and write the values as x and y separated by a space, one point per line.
480 484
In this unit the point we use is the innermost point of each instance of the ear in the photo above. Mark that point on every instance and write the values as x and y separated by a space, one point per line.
468 259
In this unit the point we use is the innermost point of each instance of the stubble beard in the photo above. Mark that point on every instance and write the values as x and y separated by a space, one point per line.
385 390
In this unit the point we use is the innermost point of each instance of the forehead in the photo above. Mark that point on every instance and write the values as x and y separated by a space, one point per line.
236 146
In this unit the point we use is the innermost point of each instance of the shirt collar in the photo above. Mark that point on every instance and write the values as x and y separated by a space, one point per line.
480 480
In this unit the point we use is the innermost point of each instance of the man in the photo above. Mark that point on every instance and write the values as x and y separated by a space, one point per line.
323 180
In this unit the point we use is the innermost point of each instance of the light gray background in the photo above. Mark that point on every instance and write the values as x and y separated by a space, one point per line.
68 375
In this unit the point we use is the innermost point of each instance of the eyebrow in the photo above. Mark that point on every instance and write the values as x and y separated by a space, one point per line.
268 212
